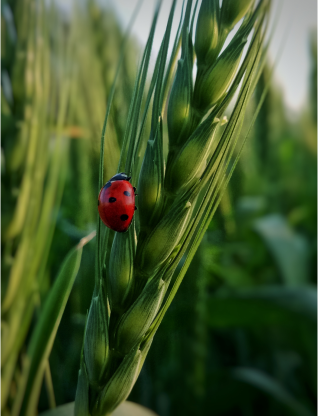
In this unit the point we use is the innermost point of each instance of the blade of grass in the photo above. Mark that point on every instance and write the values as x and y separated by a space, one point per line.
44 334
49 385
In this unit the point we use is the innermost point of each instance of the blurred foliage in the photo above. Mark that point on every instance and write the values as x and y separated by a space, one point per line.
240 336
36 63
56 74
313 75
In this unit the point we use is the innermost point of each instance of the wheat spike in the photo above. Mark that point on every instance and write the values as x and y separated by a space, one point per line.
134 290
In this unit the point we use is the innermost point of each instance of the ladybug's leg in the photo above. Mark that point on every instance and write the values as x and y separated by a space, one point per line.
134 188
136 208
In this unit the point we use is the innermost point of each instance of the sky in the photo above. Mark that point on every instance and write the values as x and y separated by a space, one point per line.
296 19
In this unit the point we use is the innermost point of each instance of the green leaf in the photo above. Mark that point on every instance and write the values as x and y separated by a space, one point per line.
125 409
45 331
289 249
270 386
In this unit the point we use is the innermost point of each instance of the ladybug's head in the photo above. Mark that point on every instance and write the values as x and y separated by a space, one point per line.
120 177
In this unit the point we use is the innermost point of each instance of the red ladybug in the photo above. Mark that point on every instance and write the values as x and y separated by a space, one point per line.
116 203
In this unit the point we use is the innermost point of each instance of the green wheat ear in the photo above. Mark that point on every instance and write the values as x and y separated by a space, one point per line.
133 290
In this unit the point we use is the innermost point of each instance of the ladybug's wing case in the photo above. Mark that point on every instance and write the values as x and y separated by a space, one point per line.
117 205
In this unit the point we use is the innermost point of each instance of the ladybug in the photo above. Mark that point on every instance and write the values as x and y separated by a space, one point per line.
116 203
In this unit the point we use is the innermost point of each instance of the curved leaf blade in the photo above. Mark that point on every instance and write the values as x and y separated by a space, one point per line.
45 331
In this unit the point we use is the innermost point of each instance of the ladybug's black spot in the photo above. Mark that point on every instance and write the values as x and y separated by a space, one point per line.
108 184
112 199
126 193
124 217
